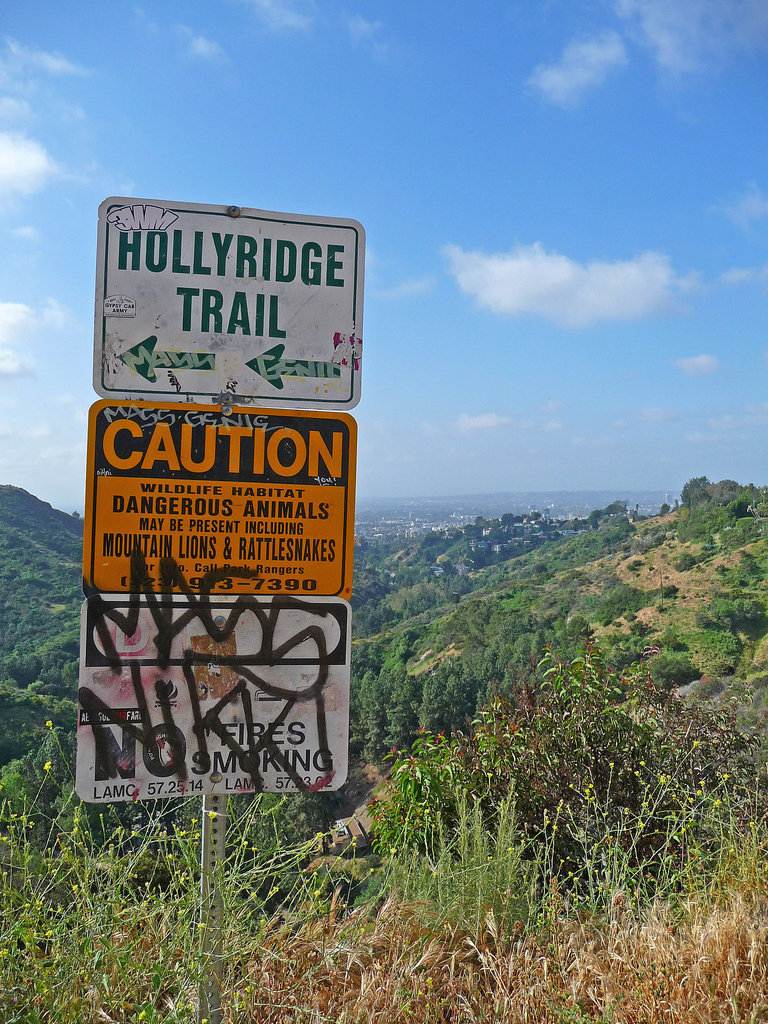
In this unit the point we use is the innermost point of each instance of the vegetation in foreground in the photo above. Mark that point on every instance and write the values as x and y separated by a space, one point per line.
596 853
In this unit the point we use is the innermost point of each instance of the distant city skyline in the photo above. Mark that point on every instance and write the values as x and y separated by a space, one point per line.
559 504
566 210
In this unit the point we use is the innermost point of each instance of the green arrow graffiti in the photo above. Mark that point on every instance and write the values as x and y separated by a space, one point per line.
272 367
145 360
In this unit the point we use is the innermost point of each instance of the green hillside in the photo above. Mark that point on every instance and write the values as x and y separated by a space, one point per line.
445 620
40 567
691 582
40 581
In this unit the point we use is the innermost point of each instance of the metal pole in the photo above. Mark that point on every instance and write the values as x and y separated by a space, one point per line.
214 840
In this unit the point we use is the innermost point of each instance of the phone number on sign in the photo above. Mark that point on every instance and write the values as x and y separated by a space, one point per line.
251 584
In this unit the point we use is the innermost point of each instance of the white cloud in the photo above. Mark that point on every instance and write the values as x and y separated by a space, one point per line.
197 46
530 281
416 287
284 14
37 432
16 320
14 110
756 415
583 66
75 410
20 325
685 35
653 414
698 366
146 23
54 316
369 33
56 455
551 426
751 416
24 58
11 365
753 205
27 232
25 166
745 275
724 422
484 421
360 29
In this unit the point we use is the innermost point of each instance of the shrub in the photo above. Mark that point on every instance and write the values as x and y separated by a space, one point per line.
593 762
734 616
477 876
673 668
618 600
685 561
718 652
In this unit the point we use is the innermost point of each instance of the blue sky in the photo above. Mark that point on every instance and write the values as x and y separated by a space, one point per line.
566 209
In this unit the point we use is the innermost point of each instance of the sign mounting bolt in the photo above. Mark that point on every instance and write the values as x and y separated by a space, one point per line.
233 211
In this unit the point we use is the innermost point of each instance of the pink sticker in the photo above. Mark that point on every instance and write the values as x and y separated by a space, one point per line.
347 350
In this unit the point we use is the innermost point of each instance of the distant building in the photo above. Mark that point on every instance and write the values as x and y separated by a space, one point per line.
349 834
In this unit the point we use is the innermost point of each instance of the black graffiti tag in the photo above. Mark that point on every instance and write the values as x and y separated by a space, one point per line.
164 744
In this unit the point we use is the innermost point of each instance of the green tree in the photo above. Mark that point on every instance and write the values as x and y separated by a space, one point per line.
695 492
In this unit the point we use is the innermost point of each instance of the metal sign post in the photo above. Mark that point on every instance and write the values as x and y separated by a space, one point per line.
214 840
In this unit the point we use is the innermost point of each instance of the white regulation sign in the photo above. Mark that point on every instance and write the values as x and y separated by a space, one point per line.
183 694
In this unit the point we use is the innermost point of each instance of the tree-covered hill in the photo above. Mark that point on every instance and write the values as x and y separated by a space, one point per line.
40 569
690 582
41 595
444 620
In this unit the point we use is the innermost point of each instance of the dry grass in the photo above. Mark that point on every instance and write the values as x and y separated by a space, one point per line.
88 938
133 959
689 967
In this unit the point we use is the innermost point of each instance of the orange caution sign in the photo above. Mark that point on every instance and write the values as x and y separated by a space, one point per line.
196 499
